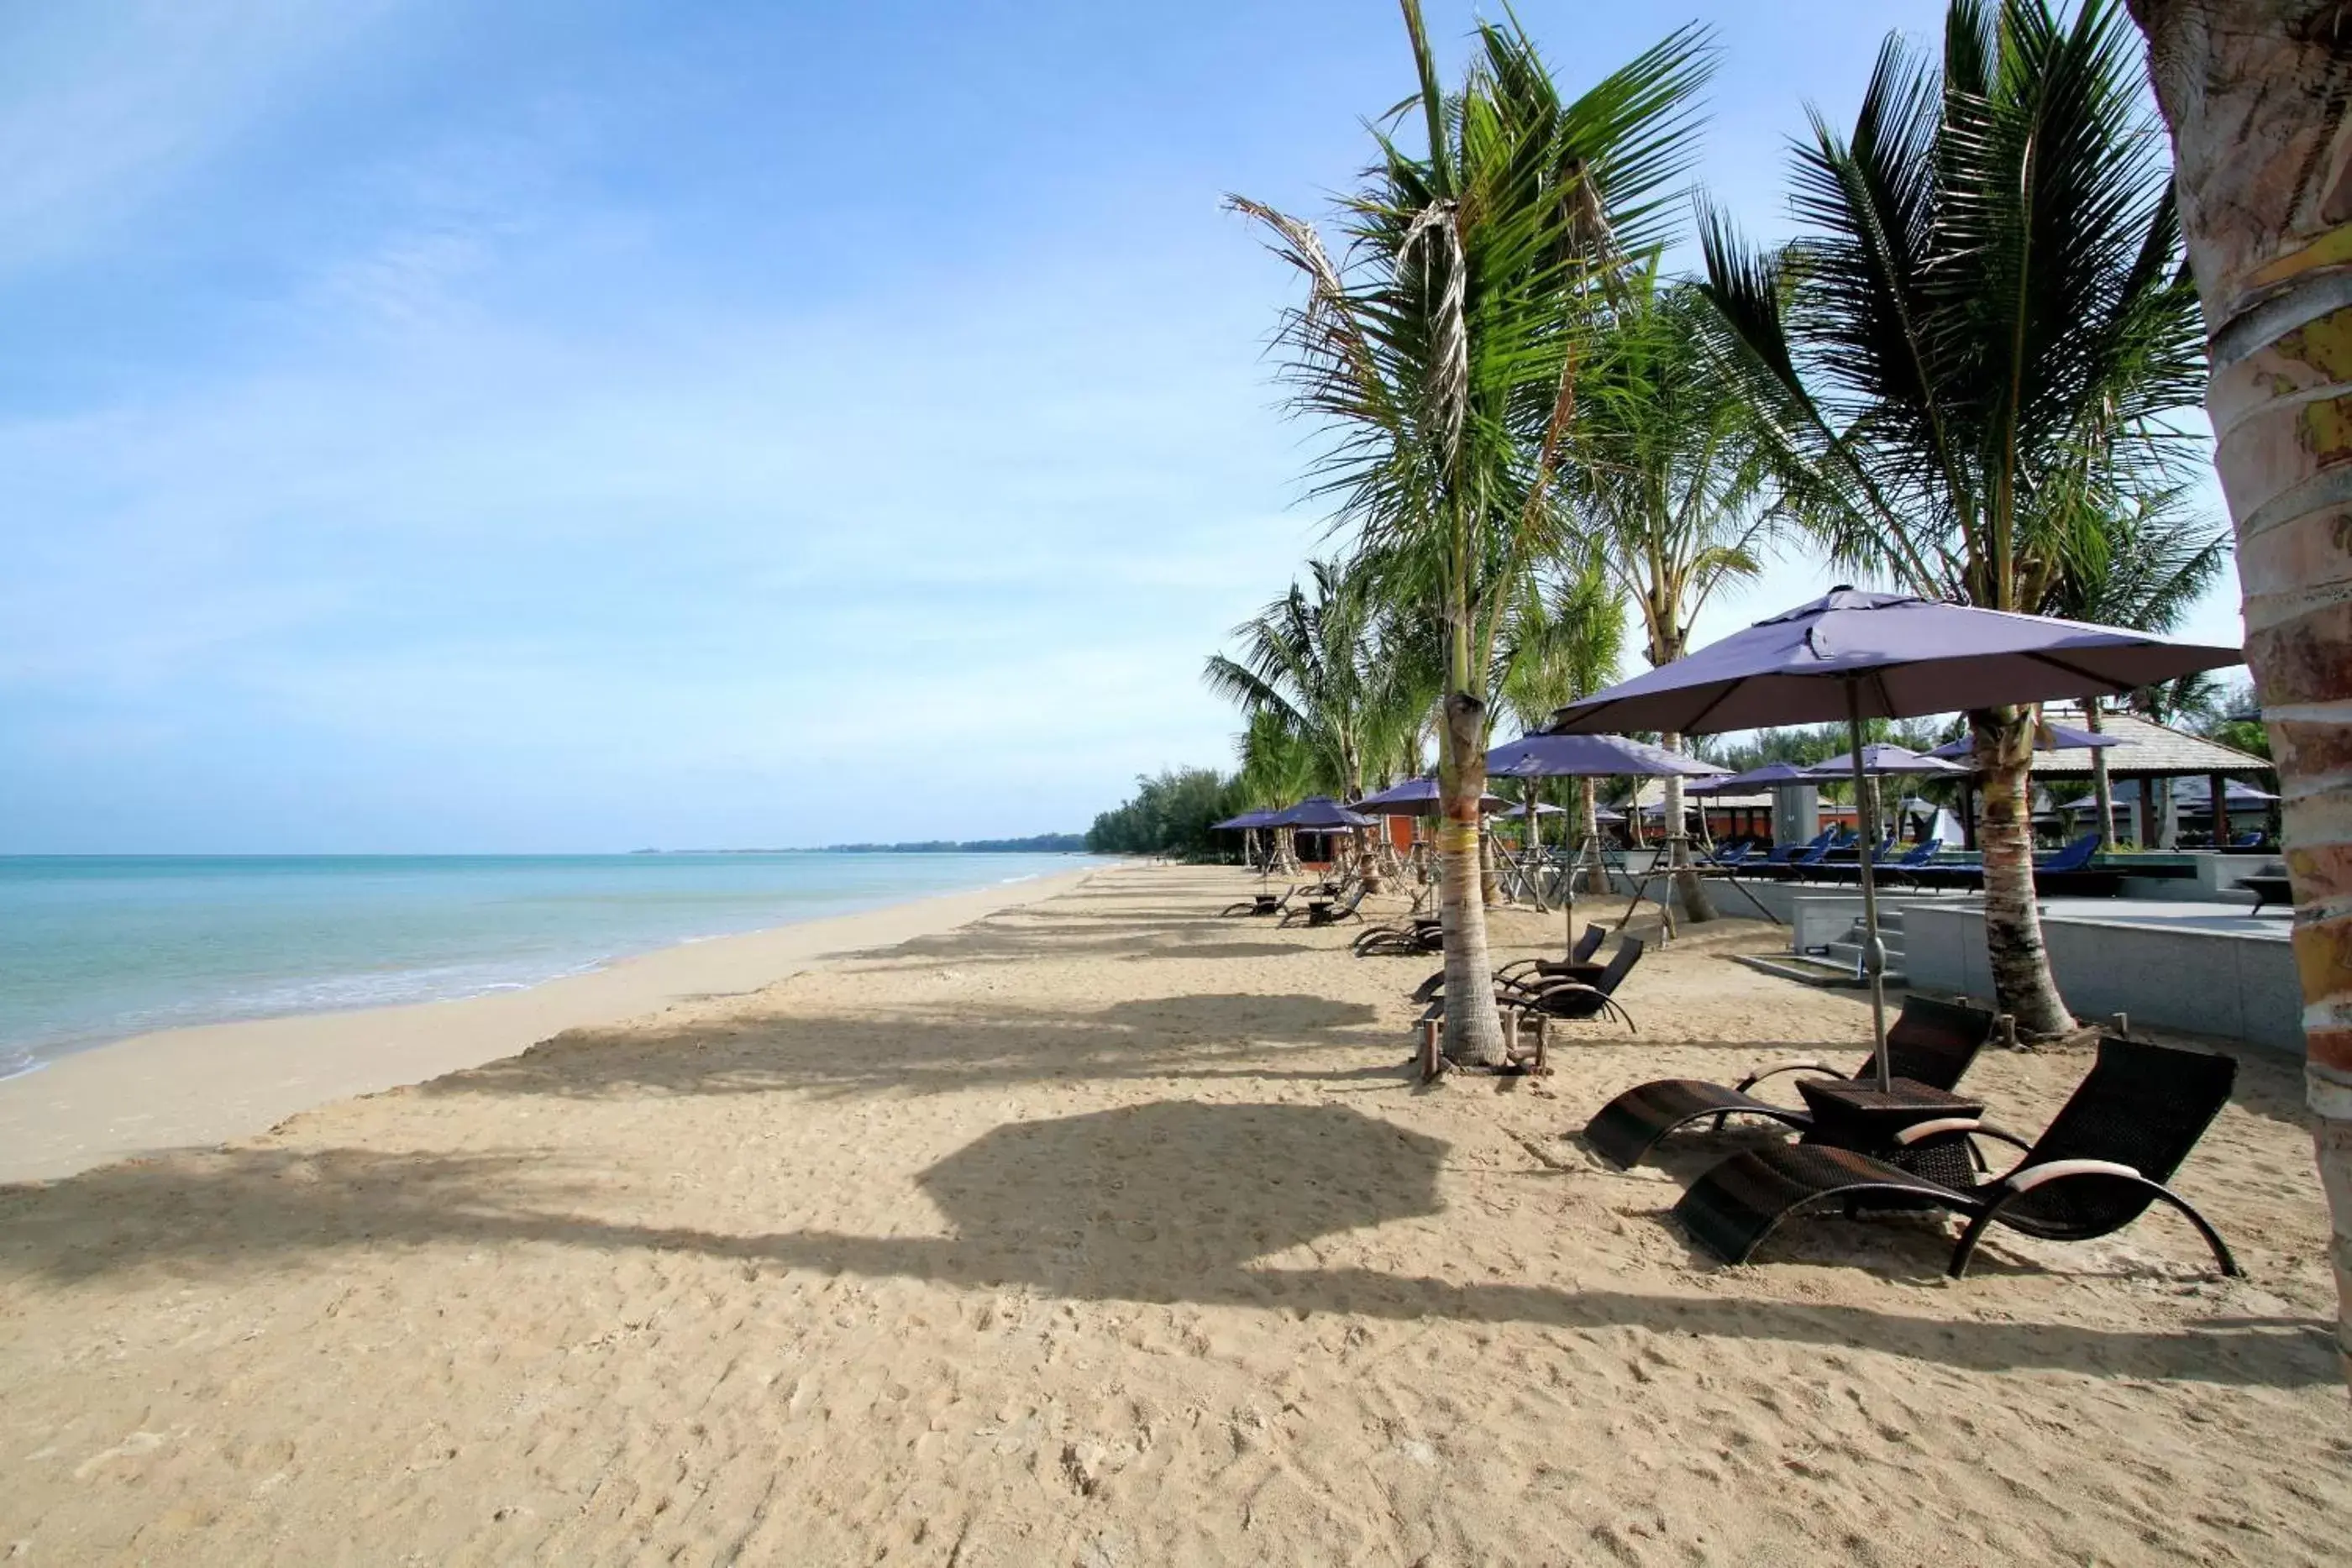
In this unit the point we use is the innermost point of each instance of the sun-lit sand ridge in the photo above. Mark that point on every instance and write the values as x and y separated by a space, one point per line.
1104 1232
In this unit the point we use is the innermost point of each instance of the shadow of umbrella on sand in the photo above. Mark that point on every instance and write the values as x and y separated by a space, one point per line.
1149 1202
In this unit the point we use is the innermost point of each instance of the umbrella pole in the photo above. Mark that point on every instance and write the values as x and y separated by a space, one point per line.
1874 951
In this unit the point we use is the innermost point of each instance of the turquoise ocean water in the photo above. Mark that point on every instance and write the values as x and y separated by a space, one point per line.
94 949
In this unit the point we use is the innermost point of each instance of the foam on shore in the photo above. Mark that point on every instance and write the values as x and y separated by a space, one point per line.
179 1087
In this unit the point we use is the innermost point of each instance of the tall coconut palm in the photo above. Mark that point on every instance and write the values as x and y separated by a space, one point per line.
1984 319
2142 563
1667 480
1438 352
1565 640
2254 92
1309 661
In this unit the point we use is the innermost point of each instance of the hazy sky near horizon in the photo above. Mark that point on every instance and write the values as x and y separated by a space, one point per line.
581 425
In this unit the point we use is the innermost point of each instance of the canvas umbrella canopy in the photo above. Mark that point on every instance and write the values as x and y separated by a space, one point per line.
1770 775
1416 797
1879 760
2190 794
1247 824
1318 814
1856 655
2046 738
1584 755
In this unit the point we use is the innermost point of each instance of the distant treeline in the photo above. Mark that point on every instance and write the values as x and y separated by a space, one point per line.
1037 844
1171 815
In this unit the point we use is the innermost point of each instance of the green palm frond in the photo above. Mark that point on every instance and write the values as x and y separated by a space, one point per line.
1964 362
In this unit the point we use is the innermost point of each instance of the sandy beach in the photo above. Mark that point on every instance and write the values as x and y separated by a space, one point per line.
1100 1230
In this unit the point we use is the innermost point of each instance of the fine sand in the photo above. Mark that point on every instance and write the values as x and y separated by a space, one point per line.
1103 1231
183 1087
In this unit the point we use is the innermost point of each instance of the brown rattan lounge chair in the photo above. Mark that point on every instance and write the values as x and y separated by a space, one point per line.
2100 1165
1579 958
1401 939
1261 904
1324 912
1574 998
1524 972
1932 1042
1567 999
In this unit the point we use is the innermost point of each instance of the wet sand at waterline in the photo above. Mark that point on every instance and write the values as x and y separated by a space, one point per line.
181 1087
1104 1231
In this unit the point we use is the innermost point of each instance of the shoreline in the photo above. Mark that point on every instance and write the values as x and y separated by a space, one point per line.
205 1084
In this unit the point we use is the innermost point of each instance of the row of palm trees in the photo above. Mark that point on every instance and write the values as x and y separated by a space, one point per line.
1960 379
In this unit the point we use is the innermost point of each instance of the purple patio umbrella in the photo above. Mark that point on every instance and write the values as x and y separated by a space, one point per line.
1416 797
1318 814
1247 824
1765 777
1856 655
1880 759
2046 738
1584 755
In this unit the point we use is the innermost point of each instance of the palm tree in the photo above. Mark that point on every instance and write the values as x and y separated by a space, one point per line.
2253 91
1307 661
1437 352
1980 331
1310 662
2141 564
1565 641
1668 480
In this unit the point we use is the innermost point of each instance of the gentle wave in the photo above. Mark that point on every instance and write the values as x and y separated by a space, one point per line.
97 948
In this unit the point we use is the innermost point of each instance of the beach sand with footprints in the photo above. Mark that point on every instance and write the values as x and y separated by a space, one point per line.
1106 1231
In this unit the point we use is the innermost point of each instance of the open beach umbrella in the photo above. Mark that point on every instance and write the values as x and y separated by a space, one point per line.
1590 757
1247 824
2046 738
1856 655
2192 794
1880 759
1318 814
1772 775
1416 797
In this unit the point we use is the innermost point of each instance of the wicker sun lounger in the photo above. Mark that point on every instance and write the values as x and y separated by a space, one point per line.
1402 939
1521 972
1261 904
1932 1042
1324 911
2100 1165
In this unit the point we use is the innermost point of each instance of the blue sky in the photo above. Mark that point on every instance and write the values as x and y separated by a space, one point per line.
598 423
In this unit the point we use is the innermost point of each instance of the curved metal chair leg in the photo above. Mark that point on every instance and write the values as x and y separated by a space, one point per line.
1964 1248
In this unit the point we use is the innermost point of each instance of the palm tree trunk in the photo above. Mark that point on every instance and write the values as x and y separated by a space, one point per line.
2253 91
1596 876
1472 1033
1688 887
1532 798
2103 790
2013 949
1367 867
